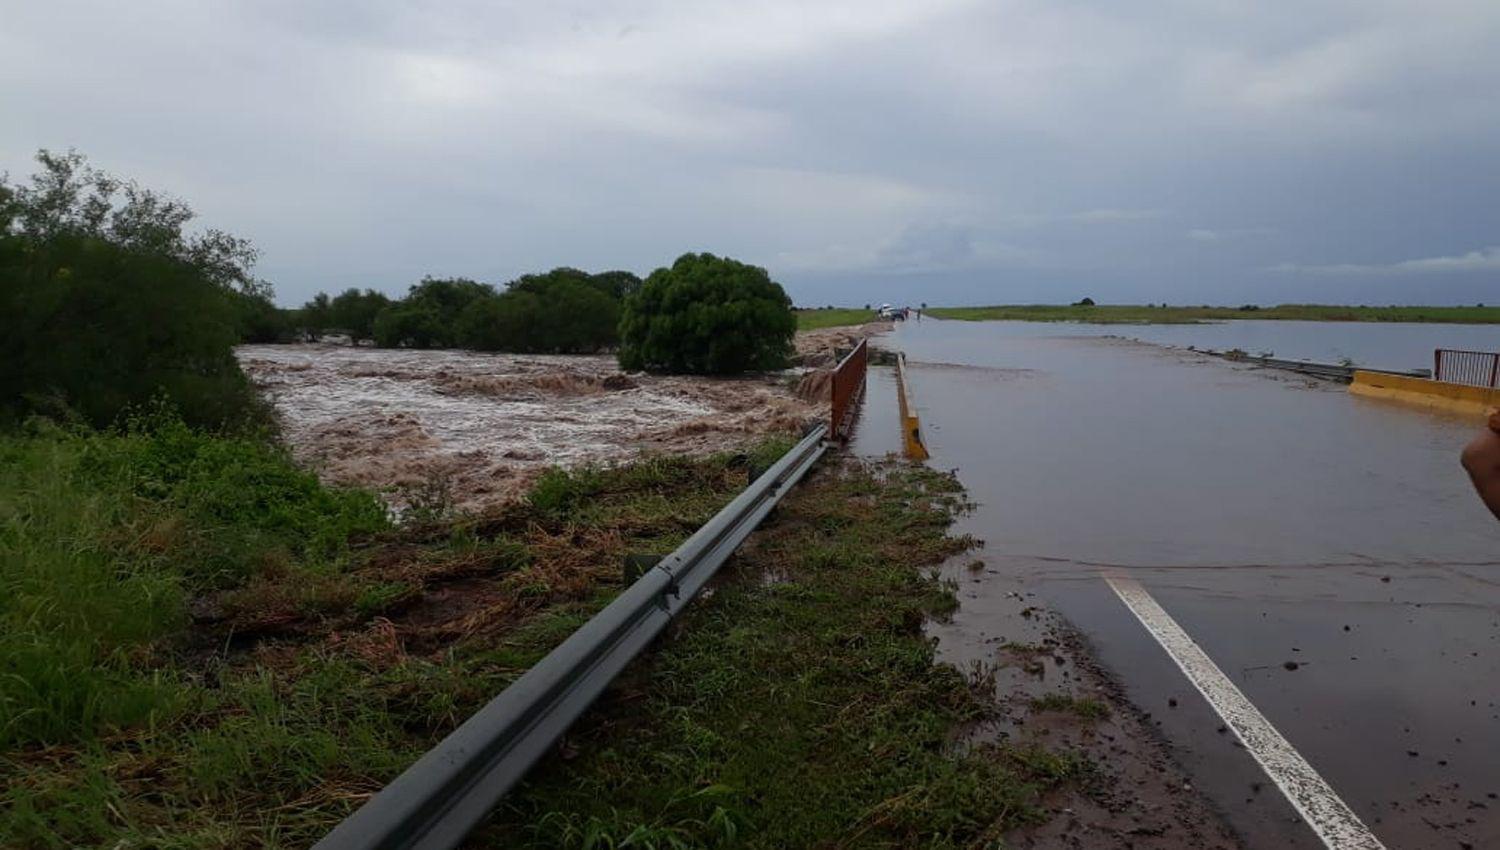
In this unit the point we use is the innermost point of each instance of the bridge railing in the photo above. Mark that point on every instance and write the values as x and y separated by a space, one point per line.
1475 368
848 388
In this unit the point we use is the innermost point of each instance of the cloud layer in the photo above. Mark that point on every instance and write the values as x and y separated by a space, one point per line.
942 150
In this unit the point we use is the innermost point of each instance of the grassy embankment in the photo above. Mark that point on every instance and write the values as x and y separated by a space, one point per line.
833 317
203 647
1146 314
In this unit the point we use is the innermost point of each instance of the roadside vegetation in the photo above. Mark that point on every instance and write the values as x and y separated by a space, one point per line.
1163 314
811 319
204 647
800 705
108 301
201 645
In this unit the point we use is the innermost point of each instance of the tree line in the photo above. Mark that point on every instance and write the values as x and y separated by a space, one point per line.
109 301
563 311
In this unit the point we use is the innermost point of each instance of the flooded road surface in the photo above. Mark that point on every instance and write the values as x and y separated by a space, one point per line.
1325 551
1382 345
482 426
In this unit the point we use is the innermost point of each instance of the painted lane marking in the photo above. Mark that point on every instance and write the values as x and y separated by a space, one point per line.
1333 820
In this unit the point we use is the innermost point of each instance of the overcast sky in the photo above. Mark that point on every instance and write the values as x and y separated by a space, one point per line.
1202 151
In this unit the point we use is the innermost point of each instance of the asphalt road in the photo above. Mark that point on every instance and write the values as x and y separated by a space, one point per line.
1324 551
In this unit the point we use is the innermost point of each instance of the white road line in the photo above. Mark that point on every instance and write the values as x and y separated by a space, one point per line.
1333 821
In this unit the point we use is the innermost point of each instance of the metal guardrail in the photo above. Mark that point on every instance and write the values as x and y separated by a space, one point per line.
1329 371
848 387
1474 368
451 789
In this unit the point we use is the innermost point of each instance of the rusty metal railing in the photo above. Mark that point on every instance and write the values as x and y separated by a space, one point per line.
1475 368
848 388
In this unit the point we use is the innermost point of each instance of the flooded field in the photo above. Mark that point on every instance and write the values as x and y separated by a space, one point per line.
482 426
1326 551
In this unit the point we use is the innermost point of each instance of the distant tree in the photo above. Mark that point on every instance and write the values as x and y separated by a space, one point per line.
565 316
408 325
710 315
316 316
261 321
354 312
1084 302
428 317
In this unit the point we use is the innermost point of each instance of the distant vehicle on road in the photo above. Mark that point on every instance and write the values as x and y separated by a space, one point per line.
893 314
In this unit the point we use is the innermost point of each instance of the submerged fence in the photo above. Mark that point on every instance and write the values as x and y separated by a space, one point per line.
848 388
1475 368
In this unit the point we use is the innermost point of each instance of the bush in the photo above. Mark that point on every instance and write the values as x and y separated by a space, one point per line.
107 303
707 315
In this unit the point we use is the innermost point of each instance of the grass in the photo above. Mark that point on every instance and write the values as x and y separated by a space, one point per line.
1085 707
800 705
201 647
1149 314
832 317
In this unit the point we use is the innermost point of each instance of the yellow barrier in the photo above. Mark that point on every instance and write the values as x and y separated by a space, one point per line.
911 429
1459 398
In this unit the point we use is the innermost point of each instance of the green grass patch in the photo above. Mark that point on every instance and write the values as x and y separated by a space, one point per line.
1085 707
799 705
1149 314
202 647
832 317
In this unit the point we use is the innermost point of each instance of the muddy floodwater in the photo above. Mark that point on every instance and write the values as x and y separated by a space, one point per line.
480 427
1326 551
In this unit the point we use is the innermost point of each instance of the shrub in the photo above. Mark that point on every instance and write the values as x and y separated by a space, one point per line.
707 315
107 303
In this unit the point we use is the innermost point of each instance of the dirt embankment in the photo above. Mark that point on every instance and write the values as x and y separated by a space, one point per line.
478 428
818 352
819 349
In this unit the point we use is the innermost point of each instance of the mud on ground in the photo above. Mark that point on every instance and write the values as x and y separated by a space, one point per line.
478 428
1052 692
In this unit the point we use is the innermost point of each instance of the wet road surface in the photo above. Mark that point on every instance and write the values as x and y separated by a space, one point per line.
1324 550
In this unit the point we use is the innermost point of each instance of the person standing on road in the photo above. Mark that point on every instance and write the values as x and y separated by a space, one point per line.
1481 459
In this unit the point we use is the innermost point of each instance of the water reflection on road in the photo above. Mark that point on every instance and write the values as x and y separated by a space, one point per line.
1278 519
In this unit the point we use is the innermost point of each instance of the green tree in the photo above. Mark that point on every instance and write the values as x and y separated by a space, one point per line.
315 317
707 315
107 303
261 321
408 325
354 312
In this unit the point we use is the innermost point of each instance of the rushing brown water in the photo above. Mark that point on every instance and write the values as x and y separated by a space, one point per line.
484 425
1278 519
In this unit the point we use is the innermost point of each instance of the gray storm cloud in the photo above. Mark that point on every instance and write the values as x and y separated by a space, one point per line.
958 151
